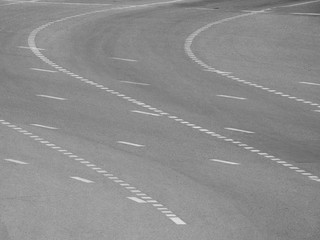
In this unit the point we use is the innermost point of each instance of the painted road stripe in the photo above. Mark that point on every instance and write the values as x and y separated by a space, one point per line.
222 161
311 83
178 221
303 3
226 96
131 144
136 83
307 14
48 96
66 3
146 113
138 200
238 130
124 59
43 126
43 70
82 179
32 48
15 161
317 110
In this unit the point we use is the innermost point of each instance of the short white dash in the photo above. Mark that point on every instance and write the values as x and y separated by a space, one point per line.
238 130
32 48
138 200
146 113
307 14
178 221
233 97
82 179
43 126
136 83
52 97
15 161
43 70
222 161
311 83
131 144
124 59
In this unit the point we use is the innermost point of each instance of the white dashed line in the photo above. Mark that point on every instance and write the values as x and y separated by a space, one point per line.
66 3
124 59
138 200
177 221
233 97
43 126
52 97
222 161
25 47
82 179
136 83
15 161
146 113
206 67
238 130
298 4
131 144
311 83
307 14
43 70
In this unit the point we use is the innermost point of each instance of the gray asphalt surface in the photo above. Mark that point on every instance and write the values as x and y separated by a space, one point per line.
142 123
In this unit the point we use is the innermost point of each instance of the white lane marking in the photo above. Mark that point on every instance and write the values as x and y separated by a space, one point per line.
227 96
307 14
43 126
146 113
138 200
238 130
199 8
43 70
258 11
26 47
177 221
82 179
136 83
317 110
66 3
48 96
222 161
10 3
15 161
125 59
299 4
131 144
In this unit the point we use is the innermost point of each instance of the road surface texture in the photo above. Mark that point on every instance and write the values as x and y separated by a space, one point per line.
159 120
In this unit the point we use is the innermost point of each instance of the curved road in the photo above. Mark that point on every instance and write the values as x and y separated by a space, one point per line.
160 120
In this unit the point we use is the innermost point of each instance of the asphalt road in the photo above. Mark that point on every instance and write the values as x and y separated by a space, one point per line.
156 120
